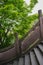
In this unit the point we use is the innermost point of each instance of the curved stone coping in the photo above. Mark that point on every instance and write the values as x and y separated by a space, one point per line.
8 55
31 38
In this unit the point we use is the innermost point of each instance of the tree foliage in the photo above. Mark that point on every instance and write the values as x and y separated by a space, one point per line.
14 18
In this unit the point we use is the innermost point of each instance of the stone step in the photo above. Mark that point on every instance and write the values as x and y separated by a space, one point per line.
33 58
38 56
41 48
21 61
27 59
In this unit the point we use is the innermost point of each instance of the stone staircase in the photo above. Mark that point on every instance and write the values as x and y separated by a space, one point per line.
33 57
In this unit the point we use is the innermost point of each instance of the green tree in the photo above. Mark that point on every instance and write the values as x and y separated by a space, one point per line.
14 18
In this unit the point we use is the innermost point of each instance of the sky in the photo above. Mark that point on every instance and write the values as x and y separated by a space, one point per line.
37 7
